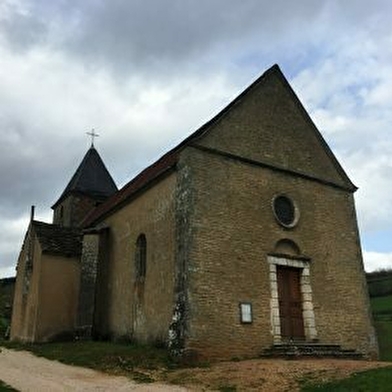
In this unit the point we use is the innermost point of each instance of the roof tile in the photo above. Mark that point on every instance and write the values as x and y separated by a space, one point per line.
54 239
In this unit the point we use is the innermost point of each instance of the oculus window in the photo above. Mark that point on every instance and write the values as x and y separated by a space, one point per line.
285 211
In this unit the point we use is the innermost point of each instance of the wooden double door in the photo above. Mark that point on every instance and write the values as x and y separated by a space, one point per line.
290 303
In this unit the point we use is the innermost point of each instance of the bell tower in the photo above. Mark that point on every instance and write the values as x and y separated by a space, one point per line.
91 185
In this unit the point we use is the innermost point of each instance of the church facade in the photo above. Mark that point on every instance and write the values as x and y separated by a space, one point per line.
242 237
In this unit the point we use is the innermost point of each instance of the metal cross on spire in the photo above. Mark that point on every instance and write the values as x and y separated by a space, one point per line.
93 135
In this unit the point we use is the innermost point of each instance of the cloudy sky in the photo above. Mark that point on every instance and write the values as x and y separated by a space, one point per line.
146 73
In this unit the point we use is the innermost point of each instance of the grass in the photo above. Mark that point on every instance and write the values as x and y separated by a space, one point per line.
4 323
5 388
382 305
382 313
384 334
135 361
146 363
379 380
227 388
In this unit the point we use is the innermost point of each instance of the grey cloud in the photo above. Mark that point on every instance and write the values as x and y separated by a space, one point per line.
32 167
153 34
165 37
129 35
21 29
161 40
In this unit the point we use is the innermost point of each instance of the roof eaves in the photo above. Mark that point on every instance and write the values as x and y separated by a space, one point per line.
125 194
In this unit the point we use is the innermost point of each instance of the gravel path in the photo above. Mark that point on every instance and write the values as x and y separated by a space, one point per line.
272 375
25 372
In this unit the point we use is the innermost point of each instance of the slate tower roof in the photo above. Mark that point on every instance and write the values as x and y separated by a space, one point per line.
91 178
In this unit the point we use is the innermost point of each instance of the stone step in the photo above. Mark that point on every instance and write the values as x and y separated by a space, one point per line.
310 350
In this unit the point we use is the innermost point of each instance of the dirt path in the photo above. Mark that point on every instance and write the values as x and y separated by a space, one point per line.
25 372
271 375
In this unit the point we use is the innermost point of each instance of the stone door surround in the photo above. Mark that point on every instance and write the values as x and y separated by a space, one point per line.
306 291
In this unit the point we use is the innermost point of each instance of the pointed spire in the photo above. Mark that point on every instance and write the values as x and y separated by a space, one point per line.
91 178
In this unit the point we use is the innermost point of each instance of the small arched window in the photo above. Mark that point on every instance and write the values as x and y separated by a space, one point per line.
141 258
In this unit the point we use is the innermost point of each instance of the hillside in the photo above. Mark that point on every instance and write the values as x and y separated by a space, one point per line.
380 291
379 283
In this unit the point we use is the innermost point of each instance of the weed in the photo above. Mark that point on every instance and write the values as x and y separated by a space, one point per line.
106 356
141 377
5 388
227 388
379 380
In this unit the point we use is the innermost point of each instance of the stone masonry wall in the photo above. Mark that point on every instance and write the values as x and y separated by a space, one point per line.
72 210
178 331
88 278
269 125
234 230
152 213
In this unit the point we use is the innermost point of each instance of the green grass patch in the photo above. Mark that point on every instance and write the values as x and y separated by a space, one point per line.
4 387
384 335
130 360
227 388
382 314
382 305
4 325
379 380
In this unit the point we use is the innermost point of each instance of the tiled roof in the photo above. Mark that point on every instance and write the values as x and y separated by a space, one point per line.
91 178
161 166
58 240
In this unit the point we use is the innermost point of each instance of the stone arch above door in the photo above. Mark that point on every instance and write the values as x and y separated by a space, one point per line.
285 246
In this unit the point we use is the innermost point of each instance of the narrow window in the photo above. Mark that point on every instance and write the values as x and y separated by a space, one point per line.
61 220
140 258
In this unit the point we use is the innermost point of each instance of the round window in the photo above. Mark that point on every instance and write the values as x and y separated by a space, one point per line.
285 211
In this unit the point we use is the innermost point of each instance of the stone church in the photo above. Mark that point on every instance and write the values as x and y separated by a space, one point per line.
240 239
